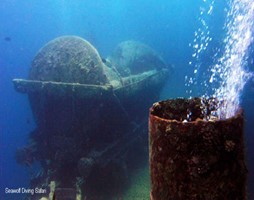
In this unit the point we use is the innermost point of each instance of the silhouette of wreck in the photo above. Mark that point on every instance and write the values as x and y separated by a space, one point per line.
91 116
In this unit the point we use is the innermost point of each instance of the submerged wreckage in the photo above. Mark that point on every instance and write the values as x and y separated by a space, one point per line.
90 114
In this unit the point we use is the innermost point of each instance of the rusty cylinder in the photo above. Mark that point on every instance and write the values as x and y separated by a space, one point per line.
194 155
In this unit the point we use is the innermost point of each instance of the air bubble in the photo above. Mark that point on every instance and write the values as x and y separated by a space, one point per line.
228 72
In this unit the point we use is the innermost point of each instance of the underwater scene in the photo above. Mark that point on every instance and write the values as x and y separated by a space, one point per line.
127 100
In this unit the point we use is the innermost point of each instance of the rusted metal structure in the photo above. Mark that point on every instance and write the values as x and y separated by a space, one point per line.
90 119
193 154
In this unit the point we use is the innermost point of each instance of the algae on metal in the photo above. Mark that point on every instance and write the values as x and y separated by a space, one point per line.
63 89
194 155
129 86
68 59
132 57
90 119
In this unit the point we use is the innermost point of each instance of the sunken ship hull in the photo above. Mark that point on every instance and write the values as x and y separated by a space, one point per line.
91 118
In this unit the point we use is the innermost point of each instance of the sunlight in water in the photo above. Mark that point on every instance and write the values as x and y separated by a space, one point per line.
229 71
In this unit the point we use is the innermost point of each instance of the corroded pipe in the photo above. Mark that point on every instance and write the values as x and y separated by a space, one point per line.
194 155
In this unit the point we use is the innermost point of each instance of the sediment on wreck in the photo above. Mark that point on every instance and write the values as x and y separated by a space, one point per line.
91 131
194 155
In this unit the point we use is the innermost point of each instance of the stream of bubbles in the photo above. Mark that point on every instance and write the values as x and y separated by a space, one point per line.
229 71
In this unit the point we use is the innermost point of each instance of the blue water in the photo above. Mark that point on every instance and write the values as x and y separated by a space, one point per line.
167 26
